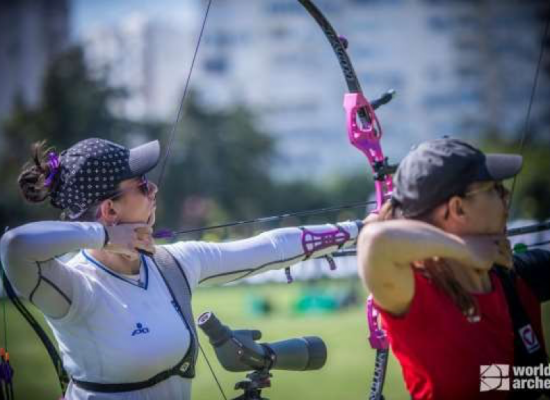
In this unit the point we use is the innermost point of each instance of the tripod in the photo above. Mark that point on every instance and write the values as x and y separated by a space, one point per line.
253 385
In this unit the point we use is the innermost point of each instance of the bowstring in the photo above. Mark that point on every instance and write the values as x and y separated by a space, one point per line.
183 97
4 300
276 218
212 371
527 124
171 141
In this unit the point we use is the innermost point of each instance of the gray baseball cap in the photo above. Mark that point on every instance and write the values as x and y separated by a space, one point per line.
436 170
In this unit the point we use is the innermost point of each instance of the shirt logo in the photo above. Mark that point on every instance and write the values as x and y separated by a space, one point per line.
529 339
140 329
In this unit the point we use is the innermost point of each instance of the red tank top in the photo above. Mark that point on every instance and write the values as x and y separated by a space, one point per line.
441 352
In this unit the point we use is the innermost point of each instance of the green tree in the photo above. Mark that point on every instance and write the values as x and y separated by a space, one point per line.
532 192
219 169
75 105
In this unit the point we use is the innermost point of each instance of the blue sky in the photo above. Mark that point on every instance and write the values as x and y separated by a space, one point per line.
89 13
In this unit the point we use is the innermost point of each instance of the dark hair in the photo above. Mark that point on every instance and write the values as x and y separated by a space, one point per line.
33 176
438 271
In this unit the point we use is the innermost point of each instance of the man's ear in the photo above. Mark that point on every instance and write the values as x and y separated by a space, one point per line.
108 212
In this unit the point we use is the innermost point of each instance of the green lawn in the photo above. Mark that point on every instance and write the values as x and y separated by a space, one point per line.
347 374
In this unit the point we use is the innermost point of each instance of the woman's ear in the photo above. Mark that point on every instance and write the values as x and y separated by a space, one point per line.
456 208
448 215
439 216
108 213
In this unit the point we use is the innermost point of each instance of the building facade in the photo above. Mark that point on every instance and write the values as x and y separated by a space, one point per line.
459 68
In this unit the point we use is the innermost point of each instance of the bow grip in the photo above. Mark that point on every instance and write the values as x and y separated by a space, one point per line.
367 137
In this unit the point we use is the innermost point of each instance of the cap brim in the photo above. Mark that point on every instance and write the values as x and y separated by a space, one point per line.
499 167
144 158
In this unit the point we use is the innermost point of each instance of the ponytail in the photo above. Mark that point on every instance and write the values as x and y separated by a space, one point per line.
39 176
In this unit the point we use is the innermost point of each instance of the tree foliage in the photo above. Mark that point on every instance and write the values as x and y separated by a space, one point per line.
532 187
219 168
74 106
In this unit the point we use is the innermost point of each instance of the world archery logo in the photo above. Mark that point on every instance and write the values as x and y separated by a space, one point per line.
494 377
497 377
140 329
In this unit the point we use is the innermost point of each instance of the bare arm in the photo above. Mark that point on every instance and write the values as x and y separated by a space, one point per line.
386 251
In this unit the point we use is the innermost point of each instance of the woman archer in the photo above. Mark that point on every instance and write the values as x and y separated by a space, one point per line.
453 299
121 330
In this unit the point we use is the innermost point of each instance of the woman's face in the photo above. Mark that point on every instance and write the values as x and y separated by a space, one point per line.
485 207
136 201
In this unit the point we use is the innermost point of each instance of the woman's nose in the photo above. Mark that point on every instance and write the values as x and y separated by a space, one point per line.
153 189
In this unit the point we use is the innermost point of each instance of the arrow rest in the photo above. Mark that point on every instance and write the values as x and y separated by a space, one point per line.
383 168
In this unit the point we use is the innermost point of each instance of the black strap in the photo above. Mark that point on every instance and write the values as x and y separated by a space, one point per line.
528 351
533 267
178 286
179 369
528 347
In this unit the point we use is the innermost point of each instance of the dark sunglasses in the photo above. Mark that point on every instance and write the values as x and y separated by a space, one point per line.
143 187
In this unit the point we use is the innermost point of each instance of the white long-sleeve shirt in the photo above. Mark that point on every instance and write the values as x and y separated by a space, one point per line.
115 328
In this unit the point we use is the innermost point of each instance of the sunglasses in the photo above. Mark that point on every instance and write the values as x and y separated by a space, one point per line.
501 190
143 187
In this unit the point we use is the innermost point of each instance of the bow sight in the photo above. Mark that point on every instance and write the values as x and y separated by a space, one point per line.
238 351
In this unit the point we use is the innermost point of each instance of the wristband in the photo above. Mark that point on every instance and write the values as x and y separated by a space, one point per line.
360 225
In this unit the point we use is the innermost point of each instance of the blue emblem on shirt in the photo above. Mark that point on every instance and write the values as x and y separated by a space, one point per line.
140 329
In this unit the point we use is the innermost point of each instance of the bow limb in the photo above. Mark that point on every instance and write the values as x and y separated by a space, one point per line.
39 331
364 132
364 129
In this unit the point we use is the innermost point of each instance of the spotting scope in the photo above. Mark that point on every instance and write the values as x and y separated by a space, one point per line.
237 350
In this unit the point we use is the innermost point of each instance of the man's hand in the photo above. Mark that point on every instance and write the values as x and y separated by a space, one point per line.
372 217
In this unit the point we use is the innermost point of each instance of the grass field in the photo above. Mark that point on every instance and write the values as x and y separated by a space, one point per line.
347 374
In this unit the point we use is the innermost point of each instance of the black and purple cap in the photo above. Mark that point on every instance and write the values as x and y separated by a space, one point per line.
438 169
91 170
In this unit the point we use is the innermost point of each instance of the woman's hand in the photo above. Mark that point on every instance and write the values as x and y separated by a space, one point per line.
485 251
505 256
128 239
372 217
